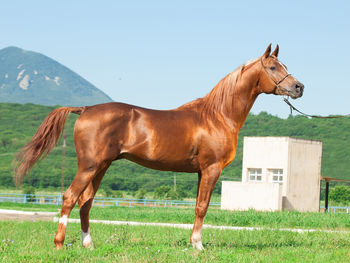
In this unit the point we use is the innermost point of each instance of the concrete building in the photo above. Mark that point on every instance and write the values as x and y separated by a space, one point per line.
277 173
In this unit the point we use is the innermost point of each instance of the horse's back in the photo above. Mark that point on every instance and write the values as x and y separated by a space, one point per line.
114 112
153 138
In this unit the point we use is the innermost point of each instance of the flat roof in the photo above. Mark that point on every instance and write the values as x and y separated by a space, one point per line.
331 179
283 138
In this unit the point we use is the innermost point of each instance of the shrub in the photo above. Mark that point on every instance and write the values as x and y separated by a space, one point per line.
118 194
340 194
108 192
30 192
167 192
141 193
161 192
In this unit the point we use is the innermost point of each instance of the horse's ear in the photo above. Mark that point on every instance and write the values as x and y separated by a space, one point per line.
267 52
275 52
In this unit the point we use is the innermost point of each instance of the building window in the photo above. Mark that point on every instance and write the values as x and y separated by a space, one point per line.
254 175
276 175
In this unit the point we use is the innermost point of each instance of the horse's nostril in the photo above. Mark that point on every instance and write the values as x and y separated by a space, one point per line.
299 87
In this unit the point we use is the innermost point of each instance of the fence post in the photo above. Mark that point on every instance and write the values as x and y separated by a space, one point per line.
116 203
25 198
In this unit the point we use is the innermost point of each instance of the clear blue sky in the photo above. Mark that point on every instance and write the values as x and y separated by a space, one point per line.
162 54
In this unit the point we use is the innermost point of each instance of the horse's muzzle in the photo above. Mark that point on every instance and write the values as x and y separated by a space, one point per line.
297 90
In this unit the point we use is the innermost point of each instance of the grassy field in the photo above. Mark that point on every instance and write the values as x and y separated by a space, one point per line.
33 242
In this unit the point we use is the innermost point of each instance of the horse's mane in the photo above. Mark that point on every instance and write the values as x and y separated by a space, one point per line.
220 98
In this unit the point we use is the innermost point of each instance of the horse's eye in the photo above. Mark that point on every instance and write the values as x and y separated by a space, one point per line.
272 68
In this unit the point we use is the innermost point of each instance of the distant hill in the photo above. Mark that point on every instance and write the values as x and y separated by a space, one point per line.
30 77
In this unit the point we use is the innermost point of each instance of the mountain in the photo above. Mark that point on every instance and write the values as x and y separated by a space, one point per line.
30 77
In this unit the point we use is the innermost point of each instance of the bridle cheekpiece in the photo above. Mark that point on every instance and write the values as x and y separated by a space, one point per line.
277 83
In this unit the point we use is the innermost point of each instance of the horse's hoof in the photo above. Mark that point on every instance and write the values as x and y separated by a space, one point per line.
88 245
198 245
59 245
58 241
86 240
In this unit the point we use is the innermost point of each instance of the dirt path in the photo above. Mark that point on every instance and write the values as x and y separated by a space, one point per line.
6 214
52 216
189 226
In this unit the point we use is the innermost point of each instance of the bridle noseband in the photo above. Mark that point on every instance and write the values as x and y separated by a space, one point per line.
277 83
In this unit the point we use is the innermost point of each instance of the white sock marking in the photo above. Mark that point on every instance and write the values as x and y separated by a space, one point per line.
198 245
197 241
63 220
86 238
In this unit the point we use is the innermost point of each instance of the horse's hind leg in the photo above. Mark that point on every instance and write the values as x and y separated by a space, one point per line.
83 178
85 202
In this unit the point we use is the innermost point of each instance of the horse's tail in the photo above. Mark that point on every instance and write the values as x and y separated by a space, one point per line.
43 141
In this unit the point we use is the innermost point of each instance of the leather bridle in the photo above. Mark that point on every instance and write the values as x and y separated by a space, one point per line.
277 83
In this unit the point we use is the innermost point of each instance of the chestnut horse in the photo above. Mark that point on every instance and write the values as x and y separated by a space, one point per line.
198 137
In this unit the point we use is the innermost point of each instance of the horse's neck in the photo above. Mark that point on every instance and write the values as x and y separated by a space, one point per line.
238 104
244 97
231 99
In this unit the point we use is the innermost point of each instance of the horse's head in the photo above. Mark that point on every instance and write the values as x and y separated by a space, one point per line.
274 77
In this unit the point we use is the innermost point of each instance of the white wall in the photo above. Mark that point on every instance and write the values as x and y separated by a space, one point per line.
244 196
266 153
303 189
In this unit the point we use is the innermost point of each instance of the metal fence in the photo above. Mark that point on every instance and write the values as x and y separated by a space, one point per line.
98 201
339 209
128 202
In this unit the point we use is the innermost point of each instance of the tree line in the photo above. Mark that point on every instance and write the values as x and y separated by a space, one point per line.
18 123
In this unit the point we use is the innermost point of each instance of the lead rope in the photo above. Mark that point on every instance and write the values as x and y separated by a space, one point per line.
311 116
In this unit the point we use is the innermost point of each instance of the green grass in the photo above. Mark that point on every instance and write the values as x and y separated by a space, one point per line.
33 242
215 216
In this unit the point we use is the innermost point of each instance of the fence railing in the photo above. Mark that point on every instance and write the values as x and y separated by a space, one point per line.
98 201
128 202
339 209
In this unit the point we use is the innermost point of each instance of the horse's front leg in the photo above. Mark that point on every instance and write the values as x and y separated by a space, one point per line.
206 184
